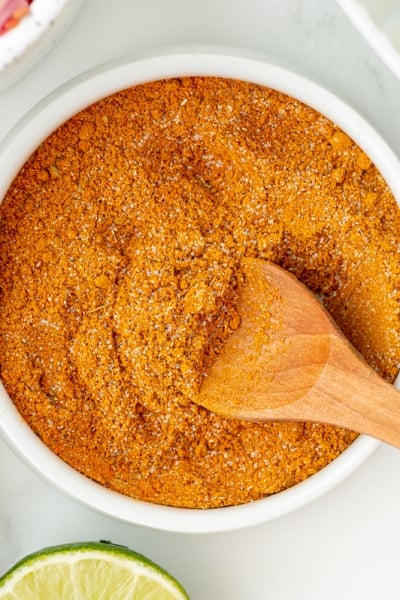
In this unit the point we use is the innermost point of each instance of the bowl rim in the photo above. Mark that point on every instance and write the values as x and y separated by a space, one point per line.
77 94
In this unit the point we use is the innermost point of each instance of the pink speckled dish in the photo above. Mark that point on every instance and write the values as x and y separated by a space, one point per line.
25 45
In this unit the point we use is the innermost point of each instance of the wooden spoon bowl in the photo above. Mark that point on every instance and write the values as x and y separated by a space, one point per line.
289 361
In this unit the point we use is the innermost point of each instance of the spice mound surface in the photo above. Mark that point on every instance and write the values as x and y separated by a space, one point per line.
120 247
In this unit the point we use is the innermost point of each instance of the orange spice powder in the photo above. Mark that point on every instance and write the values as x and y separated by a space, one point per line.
120 248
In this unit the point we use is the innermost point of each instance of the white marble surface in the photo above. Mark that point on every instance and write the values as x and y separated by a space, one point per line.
345 545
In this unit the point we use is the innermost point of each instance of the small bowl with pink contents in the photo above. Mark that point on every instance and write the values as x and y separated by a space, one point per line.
28 30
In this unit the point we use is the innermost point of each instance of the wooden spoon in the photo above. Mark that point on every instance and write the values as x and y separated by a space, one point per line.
289 361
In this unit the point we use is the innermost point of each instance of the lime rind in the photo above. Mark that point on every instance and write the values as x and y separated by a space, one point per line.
135 571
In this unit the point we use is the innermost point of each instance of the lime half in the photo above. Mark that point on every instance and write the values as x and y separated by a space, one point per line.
89 571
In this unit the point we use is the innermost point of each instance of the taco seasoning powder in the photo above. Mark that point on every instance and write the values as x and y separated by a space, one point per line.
120 244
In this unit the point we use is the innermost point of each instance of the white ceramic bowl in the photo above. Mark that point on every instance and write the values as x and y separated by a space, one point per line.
25 45
379 23
38 124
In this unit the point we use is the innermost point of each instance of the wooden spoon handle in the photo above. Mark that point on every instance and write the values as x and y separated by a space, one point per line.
348 393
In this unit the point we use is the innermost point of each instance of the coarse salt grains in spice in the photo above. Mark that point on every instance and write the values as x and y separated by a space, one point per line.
120 248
